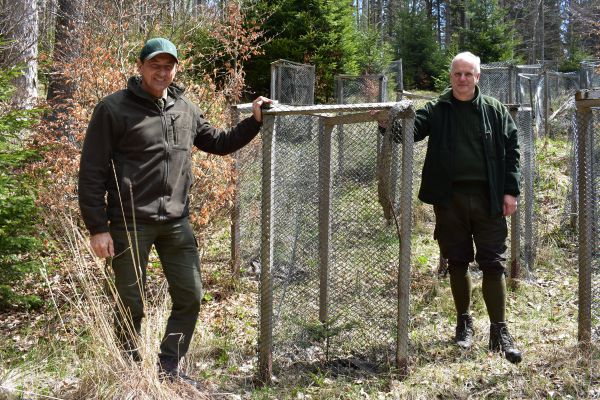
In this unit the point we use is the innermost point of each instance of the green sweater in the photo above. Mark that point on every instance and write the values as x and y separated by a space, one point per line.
499 142
469 162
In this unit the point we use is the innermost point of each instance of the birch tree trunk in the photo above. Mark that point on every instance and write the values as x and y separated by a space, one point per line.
21 31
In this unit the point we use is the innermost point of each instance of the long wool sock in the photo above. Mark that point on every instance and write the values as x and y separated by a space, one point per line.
493 287
461 286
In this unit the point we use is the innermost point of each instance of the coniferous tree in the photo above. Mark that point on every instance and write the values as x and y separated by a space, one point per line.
552 44
489 35
318 32
416 44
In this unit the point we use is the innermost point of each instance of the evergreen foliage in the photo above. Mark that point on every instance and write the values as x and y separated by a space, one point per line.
489 34
318 32
421 55
18 239
375 55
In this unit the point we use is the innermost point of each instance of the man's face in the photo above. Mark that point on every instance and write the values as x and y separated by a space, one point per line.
463 79
157 73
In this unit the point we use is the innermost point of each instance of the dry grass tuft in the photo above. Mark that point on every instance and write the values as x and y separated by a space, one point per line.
98 369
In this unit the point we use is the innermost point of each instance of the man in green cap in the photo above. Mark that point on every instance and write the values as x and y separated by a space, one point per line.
134 181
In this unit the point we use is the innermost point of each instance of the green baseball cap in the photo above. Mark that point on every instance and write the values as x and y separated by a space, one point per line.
156 46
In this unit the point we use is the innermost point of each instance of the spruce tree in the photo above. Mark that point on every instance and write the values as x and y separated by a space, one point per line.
490 35
318 32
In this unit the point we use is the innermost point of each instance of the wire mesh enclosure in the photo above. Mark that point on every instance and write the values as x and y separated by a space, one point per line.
590 74
334 283
524 223
395 75
352 89
292 83
587 128
325 184
498 80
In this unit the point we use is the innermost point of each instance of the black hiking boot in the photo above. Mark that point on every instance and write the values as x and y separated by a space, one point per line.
500 340
464 331
168 371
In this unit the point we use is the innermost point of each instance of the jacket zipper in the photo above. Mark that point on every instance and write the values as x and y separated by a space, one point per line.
162 212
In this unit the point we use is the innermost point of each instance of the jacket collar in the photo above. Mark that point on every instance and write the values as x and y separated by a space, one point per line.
446 97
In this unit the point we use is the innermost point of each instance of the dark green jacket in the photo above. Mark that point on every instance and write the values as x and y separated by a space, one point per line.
151 149
500 146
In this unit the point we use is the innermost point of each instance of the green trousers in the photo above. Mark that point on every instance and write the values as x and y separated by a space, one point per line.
178 252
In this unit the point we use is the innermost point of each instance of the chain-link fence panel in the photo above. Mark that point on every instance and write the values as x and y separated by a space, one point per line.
326 243
530 93
292 83
590 74
352 89
395 80
524 223
498 80
561 86
571 214
524 91
587 127
245 231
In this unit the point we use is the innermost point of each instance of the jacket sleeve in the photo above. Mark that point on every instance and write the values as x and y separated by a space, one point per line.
512 171
224 141
422 126
94 169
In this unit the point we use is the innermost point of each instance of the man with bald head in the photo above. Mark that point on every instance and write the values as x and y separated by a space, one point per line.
471 177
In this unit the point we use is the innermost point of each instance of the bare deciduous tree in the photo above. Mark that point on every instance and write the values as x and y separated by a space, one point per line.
67 46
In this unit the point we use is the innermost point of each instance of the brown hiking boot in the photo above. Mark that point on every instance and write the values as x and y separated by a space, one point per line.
464 331
500 340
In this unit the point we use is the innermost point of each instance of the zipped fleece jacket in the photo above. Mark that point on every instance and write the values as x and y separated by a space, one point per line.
500 145
150 148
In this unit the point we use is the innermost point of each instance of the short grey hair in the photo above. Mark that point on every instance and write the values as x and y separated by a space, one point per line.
469 57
